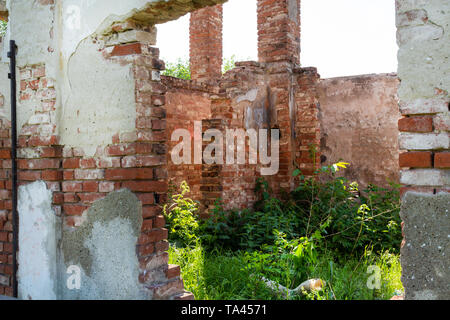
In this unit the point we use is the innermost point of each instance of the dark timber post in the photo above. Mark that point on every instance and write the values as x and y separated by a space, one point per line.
12 76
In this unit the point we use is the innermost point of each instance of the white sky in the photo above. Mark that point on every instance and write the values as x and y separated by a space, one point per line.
339 37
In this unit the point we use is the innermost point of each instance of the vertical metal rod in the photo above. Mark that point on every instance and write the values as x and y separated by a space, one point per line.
12 76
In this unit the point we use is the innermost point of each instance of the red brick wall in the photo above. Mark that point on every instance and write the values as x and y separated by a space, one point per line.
186 102
134 161
206 43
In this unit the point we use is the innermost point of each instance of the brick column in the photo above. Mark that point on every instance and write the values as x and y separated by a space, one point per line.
307 123
279 30
206 43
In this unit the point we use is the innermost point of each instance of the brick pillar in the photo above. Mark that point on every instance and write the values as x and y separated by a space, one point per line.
206 43
279 31
307 123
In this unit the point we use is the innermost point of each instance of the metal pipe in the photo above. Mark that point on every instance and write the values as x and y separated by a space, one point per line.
12 76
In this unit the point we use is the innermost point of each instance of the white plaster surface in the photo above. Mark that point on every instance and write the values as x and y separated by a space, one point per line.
423 49
5 91
31 26
38 227
82 18
100 102
115 266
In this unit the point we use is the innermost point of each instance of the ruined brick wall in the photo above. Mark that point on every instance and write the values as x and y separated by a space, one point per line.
186 102
243 95
358 117
77 178
423 36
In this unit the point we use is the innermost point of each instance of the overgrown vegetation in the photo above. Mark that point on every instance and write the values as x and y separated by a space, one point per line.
329 230
181 68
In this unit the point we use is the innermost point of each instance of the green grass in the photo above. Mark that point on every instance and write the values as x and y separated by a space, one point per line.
227 275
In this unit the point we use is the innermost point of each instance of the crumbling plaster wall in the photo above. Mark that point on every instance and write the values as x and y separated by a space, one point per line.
61 129
423 36
358 117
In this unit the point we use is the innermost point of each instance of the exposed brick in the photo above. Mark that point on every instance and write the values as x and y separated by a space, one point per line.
173 271
147 225
145 250
72 186
106 186
89 174
87 163
150 211
52 175
416 159
121 150
129 174
160 221
71 197
74 209
146 198
123 50
416 124
90 186
146 186
38 164
29 175
71 163
442 160
153 236
5 153
162 246
90 197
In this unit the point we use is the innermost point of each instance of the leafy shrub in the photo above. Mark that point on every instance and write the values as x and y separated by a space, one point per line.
347 219
223 228
350 220
180 214
181 68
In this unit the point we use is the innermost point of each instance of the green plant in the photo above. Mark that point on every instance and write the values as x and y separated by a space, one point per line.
223 228
219 274
349 219
181 218
228 63
181 68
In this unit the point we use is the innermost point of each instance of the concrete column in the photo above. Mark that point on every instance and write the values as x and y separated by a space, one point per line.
206 43
424 140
